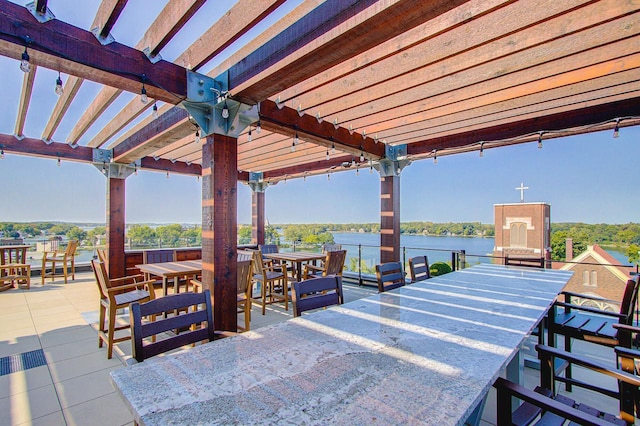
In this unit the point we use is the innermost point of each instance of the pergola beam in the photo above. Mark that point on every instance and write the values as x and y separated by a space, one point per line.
59 46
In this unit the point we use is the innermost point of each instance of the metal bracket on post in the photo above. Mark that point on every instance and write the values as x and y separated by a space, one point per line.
152 58
41 16
102 160
209 104
394 162
256 182
108 39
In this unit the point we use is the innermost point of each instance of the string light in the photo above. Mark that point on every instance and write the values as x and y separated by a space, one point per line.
250 138
197 138
225 110
58 161
293 146
143 95
59 90
333 148
481 149
167 174
135 170
104 168
25 65
1 153
540 140
370 166
328 176
357 171
435 156
154 112
361 156
616 130
327 156
258 128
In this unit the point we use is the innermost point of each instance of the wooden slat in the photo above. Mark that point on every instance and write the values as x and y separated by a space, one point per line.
108 11
235 23
25 98
169 21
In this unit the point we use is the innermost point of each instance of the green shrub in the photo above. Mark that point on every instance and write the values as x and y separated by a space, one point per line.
439 268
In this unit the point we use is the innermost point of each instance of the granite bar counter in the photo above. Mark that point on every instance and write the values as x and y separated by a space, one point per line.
426 353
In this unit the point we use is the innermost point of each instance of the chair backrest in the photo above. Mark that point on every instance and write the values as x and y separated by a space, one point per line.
198 310
390 275
245 272
157 256
102 277
245 255
268 248
629 299
331 247
103 255
419 268
316 293
334 263
72 246
258 263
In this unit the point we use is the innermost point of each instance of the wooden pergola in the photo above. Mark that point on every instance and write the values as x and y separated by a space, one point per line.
330 85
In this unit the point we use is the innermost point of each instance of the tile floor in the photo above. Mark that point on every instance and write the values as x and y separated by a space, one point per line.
74 388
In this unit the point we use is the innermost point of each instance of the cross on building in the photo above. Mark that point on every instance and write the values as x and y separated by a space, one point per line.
521 188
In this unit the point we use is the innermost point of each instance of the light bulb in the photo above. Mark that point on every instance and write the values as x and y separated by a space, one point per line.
616 131
540 141
154 113
135 171
482 150
293 146
58 161
296 140
258 128
250 138
361 156
328 176
225 111
25 65
59 90
167 174
143 95
327 157
333 148
197 139
1 153
435 157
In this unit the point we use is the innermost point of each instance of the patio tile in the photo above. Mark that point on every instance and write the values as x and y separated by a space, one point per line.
26 380
80 365
53 419
72 349
46 327
26 406
67 335
108 410
85 388
18 345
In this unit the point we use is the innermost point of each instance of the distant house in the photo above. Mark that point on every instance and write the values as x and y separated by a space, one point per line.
596 273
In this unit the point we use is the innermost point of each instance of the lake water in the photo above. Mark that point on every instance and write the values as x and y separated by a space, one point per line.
436 248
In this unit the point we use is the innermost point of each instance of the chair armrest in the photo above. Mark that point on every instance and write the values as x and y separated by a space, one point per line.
625 327
590 364
547 404
148 284
130 277
197 285
590 310
308 267
586 296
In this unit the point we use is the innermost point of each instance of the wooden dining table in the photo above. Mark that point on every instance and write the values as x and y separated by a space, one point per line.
171 271
425 353
296 258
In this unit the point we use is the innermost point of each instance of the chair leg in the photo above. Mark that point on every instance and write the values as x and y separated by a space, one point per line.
263 293
247 315
64 271
101 329
112 325
42 270
73 269
285 292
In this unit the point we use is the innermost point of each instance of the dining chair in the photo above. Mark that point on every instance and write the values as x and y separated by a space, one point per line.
15 268
390 275
590 324
117 293
277 264
316 293
545 406
333 264
529 262
66 258
419 268
274 282
331 247
195 310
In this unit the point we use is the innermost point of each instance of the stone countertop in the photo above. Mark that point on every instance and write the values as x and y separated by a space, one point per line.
426 353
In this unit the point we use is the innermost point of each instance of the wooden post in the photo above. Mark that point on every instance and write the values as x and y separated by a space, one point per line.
219 227
115 226
389 219
257 217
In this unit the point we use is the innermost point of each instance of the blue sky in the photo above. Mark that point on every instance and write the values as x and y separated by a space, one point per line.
587 178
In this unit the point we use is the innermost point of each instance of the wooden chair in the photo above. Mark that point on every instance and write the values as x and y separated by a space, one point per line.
530 262
194 308
14 268
545 406
66 258
331 247
419 268
390 275
591 324
332 265
117 293
316 293
271 280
